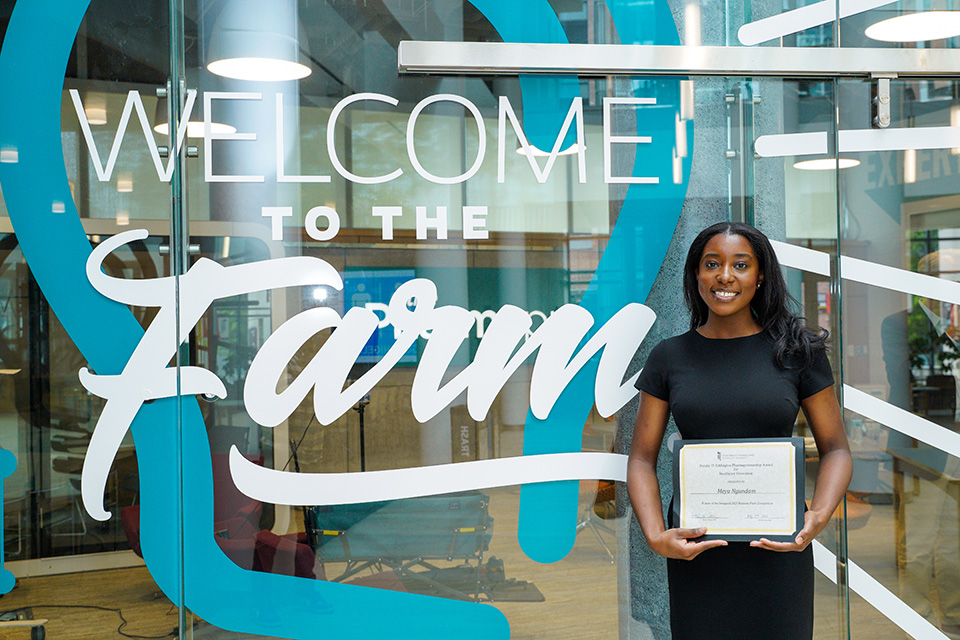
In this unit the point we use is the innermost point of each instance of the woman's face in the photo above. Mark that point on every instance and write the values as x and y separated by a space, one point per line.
728 275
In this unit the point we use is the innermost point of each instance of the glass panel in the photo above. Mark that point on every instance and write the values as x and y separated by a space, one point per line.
76 172
362 248
790 195
386 246
469 246
899 230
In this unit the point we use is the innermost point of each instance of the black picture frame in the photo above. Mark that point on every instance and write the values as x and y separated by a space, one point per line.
799 464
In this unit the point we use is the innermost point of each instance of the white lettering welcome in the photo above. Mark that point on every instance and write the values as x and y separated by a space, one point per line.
505 115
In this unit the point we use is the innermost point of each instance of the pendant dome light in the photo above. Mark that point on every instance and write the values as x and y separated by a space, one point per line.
916 27
257 40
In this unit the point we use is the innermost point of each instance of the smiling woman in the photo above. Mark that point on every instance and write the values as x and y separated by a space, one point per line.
745 369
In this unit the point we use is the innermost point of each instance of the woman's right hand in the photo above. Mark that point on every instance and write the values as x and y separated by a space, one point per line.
644 488
680 544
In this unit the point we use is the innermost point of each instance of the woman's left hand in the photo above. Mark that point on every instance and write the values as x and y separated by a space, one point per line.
813 524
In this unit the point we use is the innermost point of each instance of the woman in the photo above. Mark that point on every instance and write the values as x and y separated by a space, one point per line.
745 368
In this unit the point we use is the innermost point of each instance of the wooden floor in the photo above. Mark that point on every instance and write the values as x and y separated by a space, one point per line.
132 591
580 591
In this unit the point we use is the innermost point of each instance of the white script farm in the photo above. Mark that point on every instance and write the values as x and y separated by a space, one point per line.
412 311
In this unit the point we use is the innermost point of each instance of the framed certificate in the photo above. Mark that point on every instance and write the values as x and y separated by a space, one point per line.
740 489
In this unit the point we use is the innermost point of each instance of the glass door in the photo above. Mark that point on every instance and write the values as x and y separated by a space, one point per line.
371 202
288 337
85 170
897 264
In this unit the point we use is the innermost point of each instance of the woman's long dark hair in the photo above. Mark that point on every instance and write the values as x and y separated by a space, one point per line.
772 305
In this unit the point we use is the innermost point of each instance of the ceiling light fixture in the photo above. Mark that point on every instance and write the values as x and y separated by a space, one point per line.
195 125
259 69
125 182
955 122
258 41
538 153
916 27
909 166
95 109
826 164
195 128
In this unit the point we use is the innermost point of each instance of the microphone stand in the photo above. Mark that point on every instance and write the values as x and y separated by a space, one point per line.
364 401
308 524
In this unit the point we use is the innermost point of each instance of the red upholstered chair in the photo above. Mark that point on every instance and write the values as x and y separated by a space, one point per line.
130 519
235 516
240 550
287 555
236 530
266 551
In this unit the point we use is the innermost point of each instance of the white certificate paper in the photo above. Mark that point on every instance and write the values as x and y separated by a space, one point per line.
739 489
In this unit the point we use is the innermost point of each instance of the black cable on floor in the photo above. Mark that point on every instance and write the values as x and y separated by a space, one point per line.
123 621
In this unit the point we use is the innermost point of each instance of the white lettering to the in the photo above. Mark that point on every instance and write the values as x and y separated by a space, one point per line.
333 223
387 214
475 223
438 222
276 215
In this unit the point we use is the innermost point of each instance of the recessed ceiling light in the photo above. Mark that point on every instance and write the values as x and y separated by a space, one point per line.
125 182
825 164
195 129
259 69
537 153
916 27
954 122
95 109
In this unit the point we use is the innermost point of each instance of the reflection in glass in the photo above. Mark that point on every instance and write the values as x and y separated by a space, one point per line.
901 348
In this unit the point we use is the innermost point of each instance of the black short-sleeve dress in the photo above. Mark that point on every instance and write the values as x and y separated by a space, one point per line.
733 388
